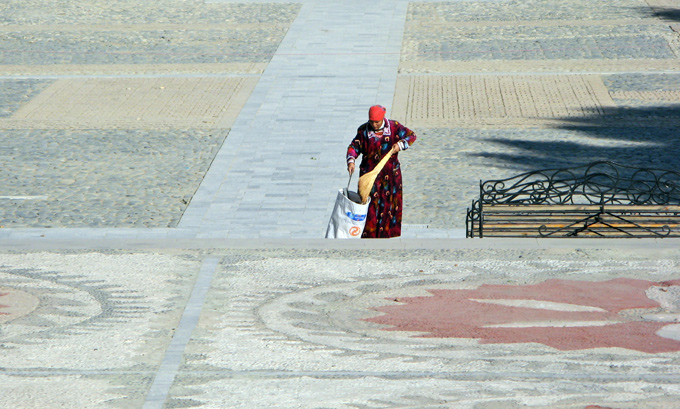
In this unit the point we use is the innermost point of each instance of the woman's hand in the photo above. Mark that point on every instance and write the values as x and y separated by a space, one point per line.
396 148
350 168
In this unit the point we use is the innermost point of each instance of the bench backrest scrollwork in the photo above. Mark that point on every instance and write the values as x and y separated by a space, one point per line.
599 183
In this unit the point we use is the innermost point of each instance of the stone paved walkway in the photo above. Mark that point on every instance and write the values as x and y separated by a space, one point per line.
169 168
278 159
244 124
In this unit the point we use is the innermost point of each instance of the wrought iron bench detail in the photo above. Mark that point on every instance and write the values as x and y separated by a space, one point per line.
602 199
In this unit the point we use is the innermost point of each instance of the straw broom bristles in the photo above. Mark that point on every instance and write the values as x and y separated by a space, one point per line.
366 180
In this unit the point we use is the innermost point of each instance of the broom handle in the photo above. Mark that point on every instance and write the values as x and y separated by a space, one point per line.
382 162
371 176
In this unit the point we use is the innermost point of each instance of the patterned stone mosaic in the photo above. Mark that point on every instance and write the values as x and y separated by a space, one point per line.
87 330
132 32
644 89
133 103
16 93
538 43
443 171
171 46
526 10
100 178
39 12
443 100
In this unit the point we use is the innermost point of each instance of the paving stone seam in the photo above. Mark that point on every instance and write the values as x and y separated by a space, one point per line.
435 26
174 355
96 27
395 375
20 71
82 240
126 76
534 73
537 67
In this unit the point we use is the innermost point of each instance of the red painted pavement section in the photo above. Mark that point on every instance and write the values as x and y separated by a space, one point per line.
453 314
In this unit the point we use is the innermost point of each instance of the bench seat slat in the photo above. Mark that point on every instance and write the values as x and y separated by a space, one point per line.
563 220
578 208
560 225
569 220
610 233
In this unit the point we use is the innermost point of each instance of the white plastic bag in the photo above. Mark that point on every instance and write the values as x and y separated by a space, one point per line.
349 216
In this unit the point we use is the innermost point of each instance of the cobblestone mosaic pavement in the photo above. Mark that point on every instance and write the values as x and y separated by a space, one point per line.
134 103
570 69
295 328
169 166
125 106
469 156
122 178
464 87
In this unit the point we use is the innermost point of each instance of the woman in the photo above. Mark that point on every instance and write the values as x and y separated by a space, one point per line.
374 140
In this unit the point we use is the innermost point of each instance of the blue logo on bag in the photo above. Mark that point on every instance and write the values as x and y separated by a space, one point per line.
356 217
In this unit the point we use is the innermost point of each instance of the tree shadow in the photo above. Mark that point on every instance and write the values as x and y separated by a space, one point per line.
647 137
664 13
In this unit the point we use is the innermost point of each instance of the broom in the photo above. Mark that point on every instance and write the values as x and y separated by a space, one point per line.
366 180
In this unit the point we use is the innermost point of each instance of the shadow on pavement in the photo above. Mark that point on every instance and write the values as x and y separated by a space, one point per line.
664 13
639 137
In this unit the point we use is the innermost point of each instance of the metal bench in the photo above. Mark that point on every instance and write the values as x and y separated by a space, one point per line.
602 199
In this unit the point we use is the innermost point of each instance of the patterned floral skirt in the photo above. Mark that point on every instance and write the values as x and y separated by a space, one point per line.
384 213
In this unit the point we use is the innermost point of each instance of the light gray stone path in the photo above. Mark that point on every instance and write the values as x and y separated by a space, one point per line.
283 160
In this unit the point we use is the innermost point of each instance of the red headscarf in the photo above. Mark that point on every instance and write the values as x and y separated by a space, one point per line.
376 113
